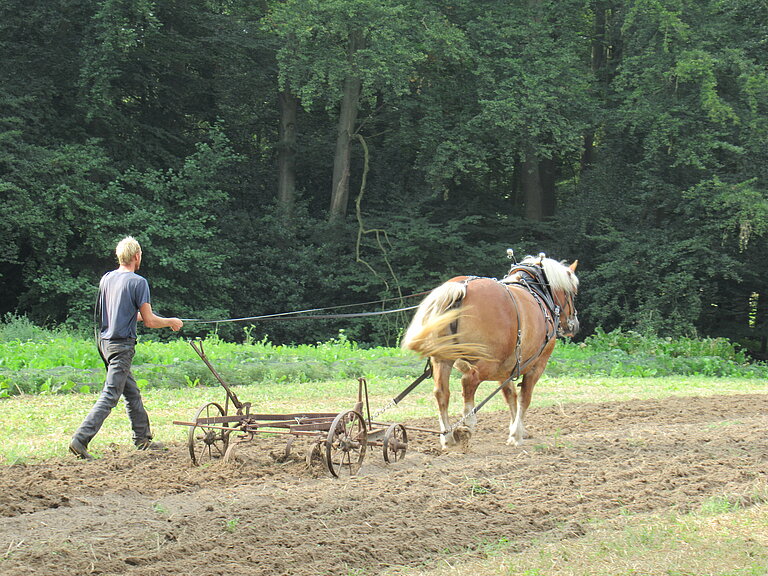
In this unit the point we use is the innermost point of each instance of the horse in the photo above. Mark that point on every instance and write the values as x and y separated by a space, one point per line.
494 330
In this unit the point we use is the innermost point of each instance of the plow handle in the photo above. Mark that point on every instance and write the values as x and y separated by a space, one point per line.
198 347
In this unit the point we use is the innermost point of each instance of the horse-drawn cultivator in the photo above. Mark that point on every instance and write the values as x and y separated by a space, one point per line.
508 335
338 440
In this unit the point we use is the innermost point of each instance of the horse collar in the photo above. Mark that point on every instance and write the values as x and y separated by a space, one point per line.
534 279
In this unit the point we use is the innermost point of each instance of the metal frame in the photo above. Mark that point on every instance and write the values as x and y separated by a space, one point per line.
338 439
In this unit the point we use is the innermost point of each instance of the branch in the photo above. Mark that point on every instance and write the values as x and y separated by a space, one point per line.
379 233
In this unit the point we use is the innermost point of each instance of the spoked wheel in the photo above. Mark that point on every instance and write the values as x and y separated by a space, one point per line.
208 442
345 445
395 443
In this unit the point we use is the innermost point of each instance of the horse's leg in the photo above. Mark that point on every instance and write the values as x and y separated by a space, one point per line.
510 396
441 373
516 427
470 380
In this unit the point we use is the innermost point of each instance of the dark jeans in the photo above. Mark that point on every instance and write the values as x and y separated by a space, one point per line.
117 356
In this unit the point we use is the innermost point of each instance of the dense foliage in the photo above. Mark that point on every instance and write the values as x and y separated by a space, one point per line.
292 154
40 361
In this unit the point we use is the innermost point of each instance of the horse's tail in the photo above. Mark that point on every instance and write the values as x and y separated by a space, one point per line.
429 333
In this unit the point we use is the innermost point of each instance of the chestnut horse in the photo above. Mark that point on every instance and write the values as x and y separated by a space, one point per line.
494 330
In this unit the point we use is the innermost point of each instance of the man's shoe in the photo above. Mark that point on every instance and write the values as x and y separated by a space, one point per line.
150 445
79 449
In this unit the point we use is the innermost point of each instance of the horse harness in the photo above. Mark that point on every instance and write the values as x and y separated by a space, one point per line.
535 281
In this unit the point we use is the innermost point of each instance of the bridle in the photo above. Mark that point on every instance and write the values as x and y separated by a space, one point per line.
572 320
534 279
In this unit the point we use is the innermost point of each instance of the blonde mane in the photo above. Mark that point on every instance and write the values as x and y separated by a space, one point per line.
560 276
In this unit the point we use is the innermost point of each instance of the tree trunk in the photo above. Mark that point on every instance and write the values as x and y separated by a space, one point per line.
346 128
548 177
286 153
598 62
532 187
537 176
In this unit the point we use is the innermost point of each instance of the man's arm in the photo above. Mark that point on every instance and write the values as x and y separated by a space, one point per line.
152 320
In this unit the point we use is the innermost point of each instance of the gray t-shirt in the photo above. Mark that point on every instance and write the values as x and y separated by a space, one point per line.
121 294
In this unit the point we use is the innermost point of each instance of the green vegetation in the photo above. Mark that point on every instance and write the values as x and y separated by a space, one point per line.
293 154
50 378
56 361
723 537
37 361
727 542
37 427
629 134
231 525
623 354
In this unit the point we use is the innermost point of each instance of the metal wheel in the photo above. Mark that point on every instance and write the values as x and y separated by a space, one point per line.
208 442
345 445
395 443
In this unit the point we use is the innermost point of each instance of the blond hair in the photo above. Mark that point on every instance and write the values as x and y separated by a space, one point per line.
126 249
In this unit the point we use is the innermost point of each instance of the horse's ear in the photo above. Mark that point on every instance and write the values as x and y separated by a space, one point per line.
573 266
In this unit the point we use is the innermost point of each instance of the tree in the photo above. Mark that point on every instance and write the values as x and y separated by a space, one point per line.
631 134
509 114
670 199
286 153
342 55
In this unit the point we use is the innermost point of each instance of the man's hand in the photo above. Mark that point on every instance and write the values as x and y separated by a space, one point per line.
152 320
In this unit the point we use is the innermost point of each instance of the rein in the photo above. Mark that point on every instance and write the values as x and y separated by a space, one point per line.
308 314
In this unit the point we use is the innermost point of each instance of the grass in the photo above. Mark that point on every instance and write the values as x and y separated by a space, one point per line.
39 361
720 542
57 364
727 536
551 391
38 427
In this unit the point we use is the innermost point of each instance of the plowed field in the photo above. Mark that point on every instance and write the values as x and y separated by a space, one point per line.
153 514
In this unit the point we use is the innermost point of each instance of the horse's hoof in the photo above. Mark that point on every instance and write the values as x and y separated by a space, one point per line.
461 432
512 441
458 437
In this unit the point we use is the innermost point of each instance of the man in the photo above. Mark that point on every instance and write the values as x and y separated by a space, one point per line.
123 300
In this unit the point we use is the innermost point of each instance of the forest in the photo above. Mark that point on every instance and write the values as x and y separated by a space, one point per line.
279 155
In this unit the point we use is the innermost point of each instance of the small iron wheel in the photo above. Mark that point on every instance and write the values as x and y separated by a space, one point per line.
395 443
345 445
208 442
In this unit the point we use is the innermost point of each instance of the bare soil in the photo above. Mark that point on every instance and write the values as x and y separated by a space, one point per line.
153 514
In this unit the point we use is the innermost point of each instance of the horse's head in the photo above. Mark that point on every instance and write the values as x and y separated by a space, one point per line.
564 285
